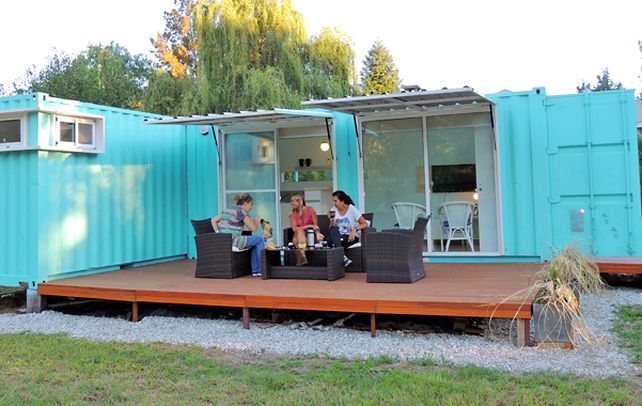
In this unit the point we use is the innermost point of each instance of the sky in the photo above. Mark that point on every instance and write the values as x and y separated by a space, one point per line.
488 45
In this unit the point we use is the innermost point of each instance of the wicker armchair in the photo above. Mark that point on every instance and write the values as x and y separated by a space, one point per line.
354 253
215 257
395 256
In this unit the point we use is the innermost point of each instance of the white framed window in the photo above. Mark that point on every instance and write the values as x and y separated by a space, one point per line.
78 133
13 131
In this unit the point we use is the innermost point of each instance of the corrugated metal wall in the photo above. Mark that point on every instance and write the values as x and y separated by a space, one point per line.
569 172
346 154
93 212
202 180
18 202
594 176
18 216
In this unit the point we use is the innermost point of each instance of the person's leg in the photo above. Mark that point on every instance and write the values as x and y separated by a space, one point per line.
258 245
334 239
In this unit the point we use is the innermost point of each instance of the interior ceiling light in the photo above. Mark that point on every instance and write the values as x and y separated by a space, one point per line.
324 146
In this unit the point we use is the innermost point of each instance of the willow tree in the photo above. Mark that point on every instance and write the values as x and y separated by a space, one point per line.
256 54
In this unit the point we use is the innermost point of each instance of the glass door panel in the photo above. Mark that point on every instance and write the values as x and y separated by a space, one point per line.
393 167
249 162
462 170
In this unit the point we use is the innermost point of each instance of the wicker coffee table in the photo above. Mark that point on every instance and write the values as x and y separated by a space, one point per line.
323 263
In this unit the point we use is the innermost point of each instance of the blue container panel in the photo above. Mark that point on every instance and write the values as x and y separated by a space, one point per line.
18 217
21 102
202 180
125 206
347 156
516 177
593 167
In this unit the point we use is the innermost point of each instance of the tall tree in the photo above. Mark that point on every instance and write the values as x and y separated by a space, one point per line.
379 74
604 82
107 75
256 54
177 46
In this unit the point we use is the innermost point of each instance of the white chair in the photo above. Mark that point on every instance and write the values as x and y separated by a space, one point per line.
456 223
407 213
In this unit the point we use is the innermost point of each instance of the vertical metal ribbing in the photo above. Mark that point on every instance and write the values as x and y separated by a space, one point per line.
589 153
626 145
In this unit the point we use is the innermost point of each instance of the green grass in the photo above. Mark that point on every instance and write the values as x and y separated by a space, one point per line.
40 369
629 328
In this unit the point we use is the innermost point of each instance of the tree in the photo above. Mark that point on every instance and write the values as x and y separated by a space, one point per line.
107 75
177 46
256 54
604 82
379 74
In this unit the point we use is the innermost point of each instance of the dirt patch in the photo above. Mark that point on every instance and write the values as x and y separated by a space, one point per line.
12 301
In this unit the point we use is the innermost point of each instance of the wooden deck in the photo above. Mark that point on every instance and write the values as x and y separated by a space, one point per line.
461 290
619 265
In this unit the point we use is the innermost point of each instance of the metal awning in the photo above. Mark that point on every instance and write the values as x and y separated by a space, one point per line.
405 102
251 120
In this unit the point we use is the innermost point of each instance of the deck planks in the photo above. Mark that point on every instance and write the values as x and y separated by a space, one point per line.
461 290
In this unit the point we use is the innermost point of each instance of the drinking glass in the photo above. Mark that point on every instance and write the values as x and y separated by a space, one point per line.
302 245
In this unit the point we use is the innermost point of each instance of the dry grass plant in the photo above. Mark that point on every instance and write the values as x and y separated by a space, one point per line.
558 287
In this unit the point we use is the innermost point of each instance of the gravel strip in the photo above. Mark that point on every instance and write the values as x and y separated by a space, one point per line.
298 339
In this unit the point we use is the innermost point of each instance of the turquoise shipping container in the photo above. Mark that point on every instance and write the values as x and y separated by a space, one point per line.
569 172
89 188
68 210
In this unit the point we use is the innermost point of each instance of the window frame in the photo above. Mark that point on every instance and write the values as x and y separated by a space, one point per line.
22 118
76 144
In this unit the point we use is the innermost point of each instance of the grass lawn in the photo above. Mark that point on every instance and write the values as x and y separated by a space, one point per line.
56 369
629 328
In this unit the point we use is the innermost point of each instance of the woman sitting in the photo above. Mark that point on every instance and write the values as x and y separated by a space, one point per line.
231 221
346 223
302 218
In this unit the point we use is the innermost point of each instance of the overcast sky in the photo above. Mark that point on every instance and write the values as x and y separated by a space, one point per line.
488 45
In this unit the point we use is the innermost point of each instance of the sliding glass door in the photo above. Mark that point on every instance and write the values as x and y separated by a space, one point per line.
462 183
393 167
456 154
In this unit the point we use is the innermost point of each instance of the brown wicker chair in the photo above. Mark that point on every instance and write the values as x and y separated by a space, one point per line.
215 258
353 253
395 256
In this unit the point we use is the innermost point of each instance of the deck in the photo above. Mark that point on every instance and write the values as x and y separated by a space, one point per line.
458 290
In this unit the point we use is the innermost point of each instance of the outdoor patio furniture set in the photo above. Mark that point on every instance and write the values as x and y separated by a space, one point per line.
393 256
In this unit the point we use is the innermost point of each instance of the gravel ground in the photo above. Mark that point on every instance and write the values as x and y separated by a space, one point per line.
299 339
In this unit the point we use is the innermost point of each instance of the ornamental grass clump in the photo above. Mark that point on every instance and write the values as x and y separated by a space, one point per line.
556 294
558 289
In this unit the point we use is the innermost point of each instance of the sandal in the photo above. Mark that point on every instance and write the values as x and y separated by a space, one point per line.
301 259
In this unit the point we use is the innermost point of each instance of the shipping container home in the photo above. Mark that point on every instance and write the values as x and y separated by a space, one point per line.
86 189
533 172
89 188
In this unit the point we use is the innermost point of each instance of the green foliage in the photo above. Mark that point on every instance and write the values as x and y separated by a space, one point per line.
379 74
177 47
169 95
604 82
255 54
39 369
629 328
107 75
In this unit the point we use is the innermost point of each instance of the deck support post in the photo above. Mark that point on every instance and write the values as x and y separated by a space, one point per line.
135 311
373 325
523 332
246 318
35 302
